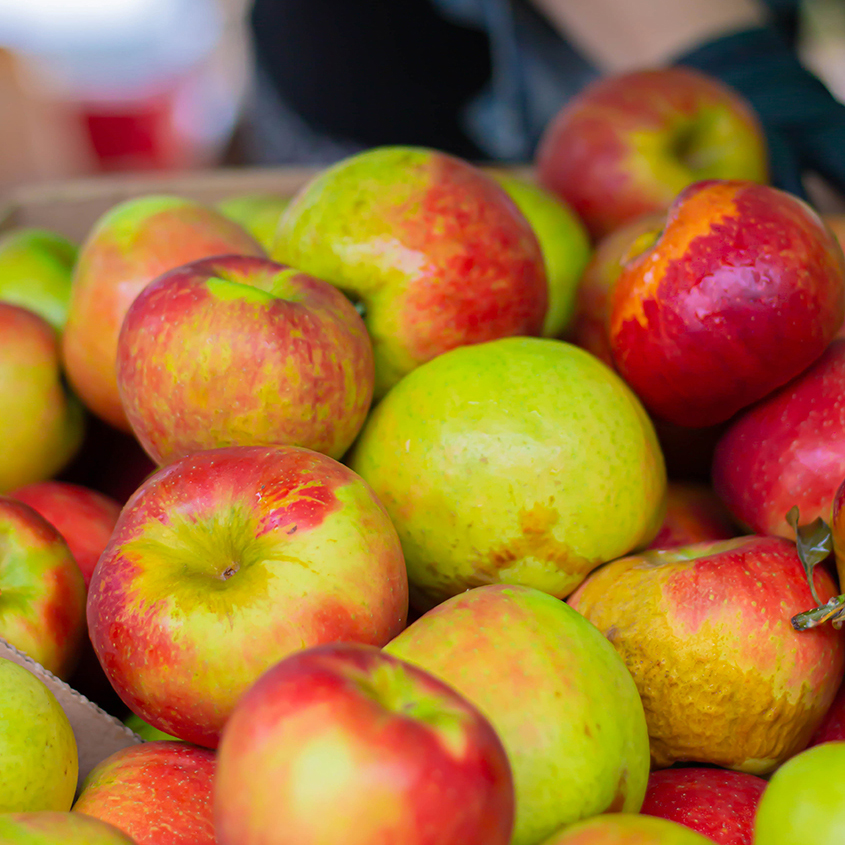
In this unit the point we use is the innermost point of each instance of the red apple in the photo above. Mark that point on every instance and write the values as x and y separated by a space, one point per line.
159 793
240 351
84 518
128 247
706 632
225 562
742 291
718 804
347 744
694 514
42 591
832 728
787 450
628 143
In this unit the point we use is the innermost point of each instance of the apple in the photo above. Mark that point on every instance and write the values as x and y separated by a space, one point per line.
717 804
522 461
241 351
58 829
561 700
805 800
224 563
258 214
832 728
146 731
742 291
35 272
84 518
42 591
41 426
344 743
705 631
627 829
159 793
629 143
694 514
433 250
788 450
39 765
129 246
563 240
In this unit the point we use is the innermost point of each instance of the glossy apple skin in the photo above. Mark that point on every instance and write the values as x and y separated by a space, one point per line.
694 514
705 630
225 562
715 803
436 251
742 291
559 697
344 743
787 450
42 591
58 829
626 829
159 793
129 246
241 351
41 425
84 518
629 143
832 728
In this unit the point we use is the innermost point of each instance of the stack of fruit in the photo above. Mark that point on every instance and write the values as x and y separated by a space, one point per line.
417 385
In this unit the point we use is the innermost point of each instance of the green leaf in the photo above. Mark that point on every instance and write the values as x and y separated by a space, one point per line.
814 543
833 612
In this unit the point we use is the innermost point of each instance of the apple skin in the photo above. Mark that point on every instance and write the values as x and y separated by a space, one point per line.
742 291
627 829
58 829
42 591
241 351
39 765
718 804
159 793
787 450
224 563
694 514
147 732
558 695
705 630
434 249
129 246
629 143
805 800
84 518
832 728
344 743
35 272
42 425
502 482
258 214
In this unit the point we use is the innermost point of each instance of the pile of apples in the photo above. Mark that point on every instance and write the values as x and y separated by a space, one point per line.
404 567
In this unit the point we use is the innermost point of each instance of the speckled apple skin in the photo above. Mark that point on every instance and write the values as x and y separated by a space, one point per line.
626 829
705 630
787 450
742 291
557 694
58 829
436 251
127 248
521 461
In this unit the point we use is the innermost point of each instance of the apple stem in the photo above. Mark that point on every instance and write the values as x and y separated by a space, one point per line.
229 571
832 611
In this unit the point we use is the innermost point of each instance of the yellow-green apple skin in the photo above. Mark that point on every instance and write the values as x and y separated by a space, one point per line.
35 272
225 562
433 249
42 590
556 692
41 424
39 766
129 246
259 214
805 800
241 351
627 829
521 461
144 730
564 243
47 828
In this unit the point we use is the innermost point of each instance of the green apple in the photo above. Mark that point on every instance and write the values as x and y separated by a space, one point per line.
628 829
564 243
520 461
259 214
145 730
58 829
35 272
805 800
39 766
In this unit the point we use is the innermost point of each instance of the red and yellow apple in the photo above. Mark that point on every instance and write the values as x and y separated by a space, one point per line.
694 514
832 728
47 828
626 829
